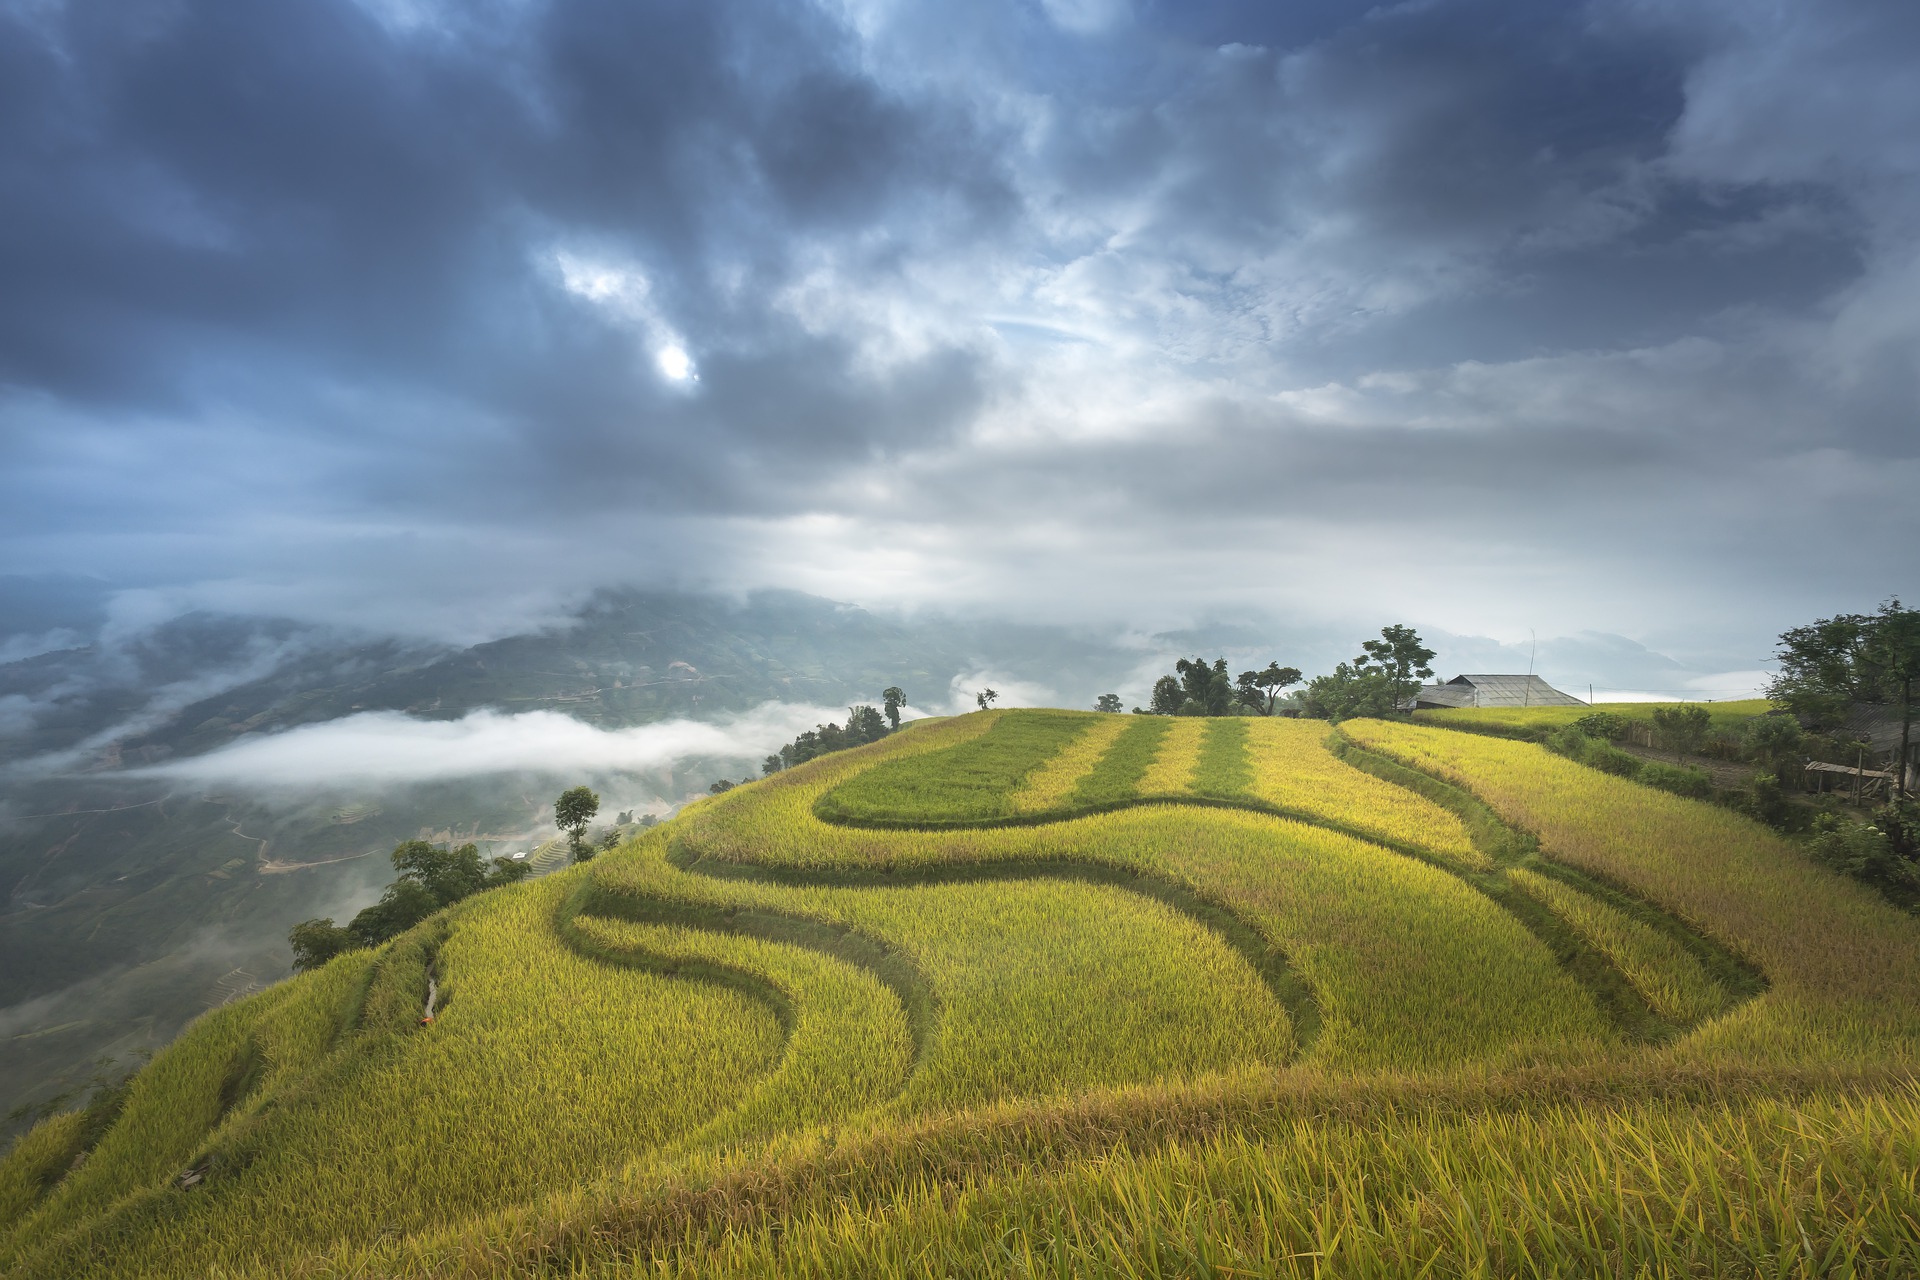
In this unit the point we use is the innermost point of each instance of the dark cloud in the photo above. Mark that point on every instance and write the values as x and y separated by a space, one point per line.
357 310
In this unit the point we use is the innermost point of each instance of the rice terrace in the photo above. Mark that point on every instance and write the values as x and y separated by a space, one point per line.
1038 992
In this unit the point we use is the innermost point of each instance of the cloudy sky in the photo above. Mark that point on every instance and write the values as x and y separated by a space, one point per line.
1488 314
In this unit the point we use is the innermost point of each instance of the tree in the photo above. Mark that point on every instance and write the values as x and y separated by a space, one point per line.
571 813
508 871
1777 745
317 941
1351 691
892 698
1167 696
1205 689
771 765
985 698
1400 657
1683 729
1108 702
405 904
1893 649
1260 690
864 725
720 787
1832 665
448 874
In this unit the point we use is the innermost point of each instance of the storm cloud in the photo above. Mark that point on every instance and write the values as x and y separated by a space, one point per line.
430 317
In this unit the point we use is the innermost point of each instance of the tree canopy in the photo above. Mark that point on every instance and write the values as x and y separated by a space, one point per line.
431 877
1832 665
864 725
571 813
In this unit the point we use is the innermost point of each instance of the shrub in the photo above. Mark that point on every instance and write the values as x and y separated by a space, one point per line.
1602 724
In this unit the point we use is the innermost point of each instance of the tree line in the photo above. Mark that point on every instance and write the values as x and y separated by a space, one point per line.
1382 680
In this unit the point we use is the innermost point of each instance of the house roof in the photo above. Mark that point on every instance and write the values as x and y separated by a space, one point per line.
1444 695
1500 691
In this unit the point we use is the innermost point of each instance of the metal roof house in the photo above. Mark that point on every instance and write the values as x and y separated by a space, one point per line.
1493 691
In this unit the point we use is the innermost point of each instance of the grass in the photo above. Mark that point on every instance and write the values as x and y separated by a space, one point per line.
1811 1189
1534 722
848 1048
1411 966
1293 772
1674 983
970 781
1171 775
1115 778
517 1087
1056 785
1062 992
1844 966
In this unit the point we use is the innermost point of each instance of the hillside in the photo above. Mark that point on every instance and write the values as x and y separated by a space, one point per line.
133 903
1049 991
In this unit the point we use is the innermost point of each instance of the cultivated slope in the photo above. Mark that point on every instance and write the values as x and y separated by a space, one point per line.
1053 990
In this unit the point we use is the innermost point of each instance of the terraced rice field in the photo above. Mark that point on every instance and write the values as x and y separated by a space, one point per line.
1026 991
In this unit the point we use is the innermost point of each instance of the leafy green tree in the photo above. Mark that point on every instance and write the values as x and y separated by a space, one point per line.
1205 689
405 904
571 813
1350 692
1683 728
985 698
430 878
1832 665
892 698
448 874
864 725
1260 690
1108 702
1167 697
1398 655
1777 744
771 765
317 941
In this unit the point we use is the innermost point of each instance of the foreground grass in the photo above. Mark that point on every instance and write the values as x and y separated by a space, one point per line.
1815 1189
1578 1171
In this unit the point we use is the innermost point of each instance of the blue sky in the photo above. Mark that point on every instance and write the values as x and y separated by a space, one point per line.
1487 315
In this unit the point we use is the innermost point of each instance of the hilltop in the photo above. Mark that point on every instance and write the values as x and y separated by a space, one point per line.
1059 991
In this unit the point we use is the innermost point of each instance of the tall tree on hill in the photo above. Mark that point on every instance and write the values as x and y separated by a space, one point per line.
1832 665
571 813
892 698
1109 702
1399 656
985 698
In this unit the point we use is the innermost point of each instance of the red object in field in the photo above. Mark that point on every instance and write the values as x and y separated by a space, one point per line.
424 1021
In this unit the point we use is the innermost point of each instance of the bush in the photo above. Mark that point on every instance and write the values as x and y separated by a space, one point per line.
1766 800
1570 742
1861 850
1604 725
1695 784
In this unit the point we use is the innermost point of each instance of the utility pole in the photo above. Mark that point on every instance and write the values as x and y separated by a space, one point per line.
1533 647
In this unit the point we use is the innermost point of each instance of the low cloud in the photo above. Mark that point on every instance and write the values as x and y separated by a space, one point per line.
391 747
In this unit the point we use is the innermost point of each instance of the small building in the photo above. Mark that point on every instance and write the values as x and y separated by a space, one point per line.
1493 691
